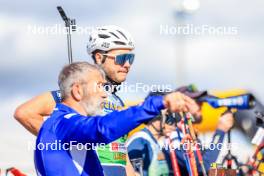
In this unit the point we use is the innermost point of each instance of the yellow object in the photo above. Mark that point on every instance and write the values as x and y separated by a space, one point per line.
211 115
213 165
261 166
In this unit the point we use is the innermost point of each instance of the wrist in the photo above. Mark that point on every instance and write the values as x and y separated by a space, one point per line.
220 131
223 129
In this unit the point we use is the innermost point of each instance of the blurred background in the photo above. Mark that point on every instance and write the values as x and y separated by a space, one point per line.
217 61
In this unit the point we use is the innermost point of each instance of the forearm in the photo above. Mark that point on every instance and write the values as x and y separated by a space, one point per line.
31 113
32 125
32 122
129 168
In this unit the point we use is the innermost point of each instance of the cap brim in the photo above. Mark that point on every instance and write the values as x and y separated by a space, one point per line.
195 95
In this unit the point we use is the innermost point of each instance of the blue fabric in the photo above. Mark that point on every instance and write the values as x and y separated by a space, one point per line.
114 170
65 126
210 156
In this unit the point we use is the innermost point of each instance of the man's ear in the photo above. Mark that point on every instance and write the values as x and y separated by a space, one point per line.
77 92
98 58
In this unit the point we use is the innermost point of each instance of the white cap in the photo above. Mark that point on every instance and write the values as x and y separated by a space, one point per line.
109 37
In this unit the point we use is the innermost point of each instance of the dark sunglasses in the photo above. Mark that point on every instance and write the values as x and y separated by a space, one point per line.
172 118
121 59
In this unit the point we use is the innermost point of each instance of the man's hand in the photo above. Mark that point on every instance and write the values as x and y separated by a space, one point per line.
178 102
195 110
226 122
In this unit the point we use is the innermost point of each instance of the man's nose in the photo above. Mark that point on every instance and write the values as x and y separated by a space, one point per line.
127 64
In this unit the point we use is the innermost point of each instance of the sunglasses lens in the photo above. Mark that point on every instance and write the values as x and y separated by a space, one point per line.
131 58
122 58
170 120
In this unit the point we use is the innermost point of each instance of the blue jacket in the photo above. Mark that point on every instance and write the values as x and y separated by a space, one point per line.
54 154
112 160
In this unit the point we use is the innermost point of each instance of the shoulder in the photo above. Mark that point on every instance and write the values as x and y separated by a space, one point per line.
139 146
138 141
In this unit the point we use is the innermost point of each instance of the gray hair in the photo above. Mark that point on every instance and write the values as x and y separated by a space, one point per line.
74 73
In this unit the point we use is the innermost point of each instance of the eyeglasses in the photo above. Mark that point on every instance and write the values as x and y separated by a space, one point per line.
121 59
172 118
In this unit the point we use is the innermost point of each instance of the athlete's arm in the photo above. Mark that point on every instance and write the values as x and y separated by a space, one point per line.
31 113
129 168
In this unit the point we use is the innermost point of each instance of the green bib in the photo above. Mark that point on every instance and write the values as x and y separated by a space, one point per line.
115 152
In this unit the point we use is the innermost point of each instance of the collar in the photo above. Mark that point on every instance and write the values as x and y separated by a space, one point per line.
65 108
111 85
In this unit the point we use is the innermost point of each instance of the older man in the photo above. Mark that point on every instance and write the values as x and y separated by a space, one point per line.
110 47
75 123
